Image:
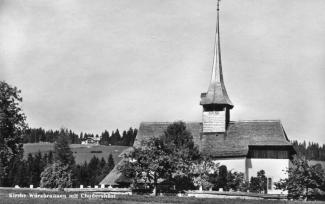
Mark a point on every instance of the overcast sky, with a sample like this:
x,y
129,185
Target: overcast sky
x,y
94,65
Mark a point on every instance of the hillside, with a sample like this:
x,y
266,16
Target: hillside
x,y
81,153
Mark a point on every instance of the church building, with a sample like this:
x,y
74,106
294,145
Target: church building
x,y
246,146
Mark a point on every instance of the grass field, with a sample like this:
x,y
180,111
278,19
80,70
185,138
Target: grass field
x,y
81,153
147,199
127,199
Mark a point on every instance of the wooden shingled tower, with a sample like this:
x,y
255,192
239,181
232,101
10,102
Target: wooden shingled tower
x,y
216,103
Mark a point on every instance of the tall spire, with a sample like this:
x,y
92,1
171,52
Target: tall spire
x,y
216,93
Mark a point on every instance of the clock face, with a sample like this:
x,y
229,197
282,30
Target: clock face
x,y
214,121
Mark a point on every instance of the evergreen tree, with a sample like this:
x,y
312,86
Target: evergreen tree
x,y
85,174
102,163
36,166
107,168
115,139
222,177
22,173
81,137
50,157
14,176
81,175
104,140
110,162
62,151
94,171
312,151
125,139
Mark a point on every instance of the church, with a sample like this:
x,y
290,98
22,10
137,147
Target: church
x,y
246,146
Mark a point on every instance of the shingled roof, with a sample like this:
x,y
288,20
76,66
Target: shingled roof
x,y
115,177
156,129
240,135
235,142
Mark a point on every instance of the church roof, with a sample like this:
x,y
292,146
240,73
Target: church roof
x,y
235,142
115,177
111,178
240,135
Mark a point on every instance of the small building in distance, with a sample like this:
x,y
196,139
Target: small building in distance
x,y
246,146
91,140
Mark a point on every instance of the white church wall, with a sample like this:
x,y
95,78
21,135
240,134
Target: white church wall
x,y
234,164
274,170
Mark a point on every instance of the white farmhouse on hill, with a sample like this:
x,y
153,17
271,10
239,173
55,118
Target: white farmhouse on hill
x,y
91,140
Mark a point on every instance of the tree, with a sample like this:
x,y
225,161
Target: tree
x,y
81,174
110,164
222,177
50,157
62,151
36,168
12,128
167,158
115,138
303,180
258,184
57,175
235,181
94,169
179,145
312,151
148,164
104,139
201,171
106,167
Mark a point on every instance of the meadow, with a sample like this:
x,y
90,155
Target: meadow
x,y
125,199
150,199
81,152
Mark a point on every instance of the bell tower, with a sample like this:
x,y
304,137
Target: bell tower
x,y
215,102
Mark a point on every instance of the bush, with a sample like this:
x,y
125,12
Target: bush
x,y
56,175
235,181
258,184
304,181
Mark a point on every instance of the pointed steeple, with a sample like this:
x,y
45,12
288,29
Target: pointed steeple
x,y
216,94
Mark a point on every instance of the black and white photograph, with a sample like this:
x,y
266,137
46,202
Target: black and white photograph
x,y
162,101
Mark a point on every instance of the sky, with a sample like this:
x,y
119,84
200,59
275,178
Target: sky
x,y
94,65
